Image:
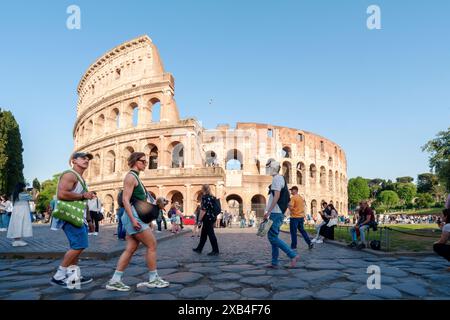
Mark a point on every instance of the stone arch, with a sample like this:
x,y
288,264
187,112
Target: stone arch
x,y
100,125
313,173
336,181
110,162
234,160
176,196
323,177
235,204
286,152
258,205
96,166
89,130
330,180
108,204
301,173
210,158
152,151
155,110
114,119
330,162
125,155
134,114
176,150
286,171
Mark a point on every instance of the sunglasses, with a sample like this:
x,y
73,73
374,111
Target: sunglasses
x,y
143,161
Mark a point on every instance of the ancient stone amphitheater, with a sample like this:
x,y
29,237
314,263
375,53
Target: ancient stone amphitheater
x,y
126,104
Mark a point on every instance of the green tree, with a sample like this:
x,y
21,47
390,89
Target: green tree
x,y
405,191
439,149
405,179
11,161
426,182
424,200
48,190
375,186
388,198
358,190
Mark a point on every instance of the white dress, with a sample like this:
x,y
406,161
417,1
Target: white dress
x,y
20,223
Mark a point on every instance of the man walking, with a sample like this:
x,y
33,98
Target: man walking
x,y
72,187
297,219
279,195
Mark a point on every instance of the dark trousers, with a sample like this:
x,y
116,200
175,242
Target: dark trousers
x,y
121,233
158,222
94,218
443,250
208,231
294,225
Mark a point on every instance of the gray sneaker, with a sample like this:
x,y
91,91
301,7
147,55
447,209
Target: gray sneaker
x,y
118,286
156,283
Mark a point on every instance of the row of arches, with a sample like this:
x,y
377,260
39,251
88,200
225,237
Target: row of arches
x,y
106,122
286,153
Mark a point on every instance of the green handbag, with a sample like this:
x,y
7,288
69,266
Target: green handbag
x,y
71,211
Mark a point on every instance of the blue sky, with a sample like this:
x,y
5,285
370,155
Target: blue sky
x,y
312,65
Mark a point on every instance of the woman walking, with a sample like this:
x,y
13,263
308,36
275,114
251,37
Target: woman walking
x,y
137,230
20,223
207,219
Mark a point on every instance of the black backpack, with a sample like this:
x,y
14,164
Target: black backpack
x,y
285,198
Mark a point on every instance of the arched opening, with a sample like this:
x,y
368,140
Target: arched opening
x,y
100,125
234,160
108,204
152,152
110,162
322,176
125,155
259,205
301,171
330,180
89,130
287,168
330,162
312,173
211,159
336,181
177,150
115,116
135,114
235,204
155,109
152,194
258,166
286,152
176,196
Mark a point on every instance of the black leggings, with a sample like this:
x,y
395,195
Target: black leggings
x,y
443,250
208,231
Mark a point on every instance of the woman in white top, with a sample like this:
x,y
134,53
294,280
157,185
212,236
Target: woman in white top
x,y
20,223
441,247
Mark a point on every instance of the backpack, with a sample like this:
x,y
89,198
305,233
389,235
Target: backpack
x,y
214,209
285,198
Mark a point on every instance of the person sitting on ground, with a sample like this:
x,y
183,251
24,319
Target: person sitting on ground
x,y
327,231
441,247
366,220
326,215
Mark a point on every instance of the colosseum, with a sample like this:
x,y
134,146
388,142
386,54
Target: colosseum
x,y
126,103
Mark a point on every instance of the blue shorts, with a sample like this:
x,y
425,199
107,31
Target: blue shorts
x,y
128,226
78,237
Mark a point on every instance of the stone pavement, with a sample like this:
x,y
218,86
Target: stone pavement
x,y
326,272
50,244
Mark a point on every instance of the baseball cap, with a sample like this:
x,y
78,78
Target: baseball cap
x,y
82,155
294,188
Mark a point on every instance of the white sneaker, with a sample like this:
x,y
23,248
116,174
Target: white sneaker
x,y
95,233
156,283
90,233
314,240
3,229
19,243
319,241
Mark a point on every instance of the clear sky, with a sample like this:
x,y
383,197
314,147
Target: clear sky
x,y
312,65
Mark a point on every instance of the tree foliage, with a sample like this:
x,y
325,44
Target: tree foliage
x,y
358,190
406,192
48,190
388,198
424,200
439,149
405,179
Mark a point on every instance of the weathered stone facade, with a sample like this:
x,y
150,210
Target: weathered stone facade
x,y
118,97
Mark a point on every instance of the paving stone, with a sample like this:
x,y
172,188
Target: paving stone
x,y
215,264
167,264
438,278
24,295
332,294
173,288
183,277
361,297
293,283
421,271
17,278
442,290
351,263
4,274
54,290
224,295
156,296
394,272
257,293
256,281
164,272
193,265
325,266
33,270
206,270
296,294
253,273
237,268
132,281
101,272
320,276
226,277
386,292
413,289
39,282
196,292
351,286
71,296
228,285
278,272
103,294
133,271
362,279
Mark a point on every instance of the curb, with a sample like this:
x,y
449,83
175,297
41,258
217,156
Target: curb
x,y
85,255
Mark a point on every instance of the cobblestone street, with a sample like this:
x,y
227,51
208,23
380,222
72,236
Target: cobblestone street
x,y
325,272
